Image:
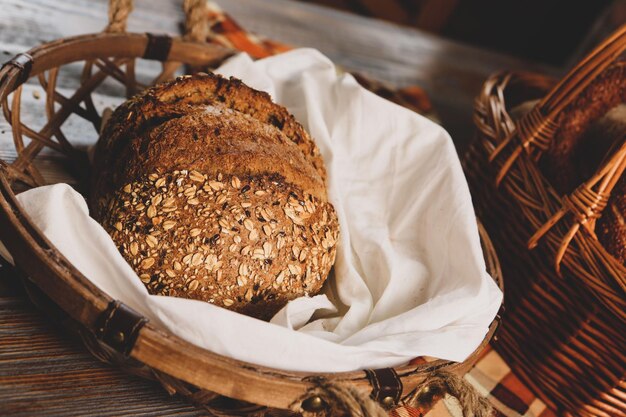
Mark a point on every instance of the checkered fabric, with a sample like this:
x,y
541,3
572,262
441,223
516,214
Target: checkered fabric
x,y
493,378
490,376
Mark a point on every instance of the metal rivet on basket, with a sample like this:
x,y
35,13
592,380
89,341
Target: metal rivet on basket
x,y
388,402
313,404
119,337
427,394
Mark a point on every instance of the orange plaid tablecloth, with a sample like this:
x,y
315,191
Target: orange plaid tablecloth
x,y
491,376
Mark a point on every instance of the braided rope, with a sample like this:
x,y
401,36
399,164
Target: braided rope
x,y
339,399
118,15
196,15
196,20
345,399
439,383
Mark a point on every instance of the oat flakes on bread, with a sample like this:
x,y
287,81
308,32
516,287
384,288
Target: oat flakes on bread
x,y
213,192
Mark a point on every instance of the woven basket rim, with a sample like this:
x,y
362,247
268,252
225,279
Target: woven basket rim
x,y
51,272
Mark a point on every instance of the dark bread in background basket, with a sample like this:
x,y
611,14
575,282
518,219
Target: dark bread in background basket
x,y
578,149
588,135
213,192
566,303
611,227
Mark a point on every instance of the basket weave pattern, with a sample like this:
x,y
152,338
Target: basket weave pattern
x,y
566,304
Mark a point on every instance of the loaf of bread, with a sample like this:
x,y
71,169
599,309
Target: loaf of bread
x,y
611,227
591,128
570,149
602,139
213,192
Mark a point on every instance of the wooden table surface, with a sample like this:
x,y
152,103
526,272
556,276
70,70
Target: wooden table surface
x,y
44,371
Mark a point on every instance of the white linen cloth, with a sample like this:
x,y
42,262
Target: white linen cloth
x,y
409,277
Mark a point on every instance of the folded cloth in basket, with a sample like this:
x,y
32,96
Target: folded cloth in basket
x,y
410,279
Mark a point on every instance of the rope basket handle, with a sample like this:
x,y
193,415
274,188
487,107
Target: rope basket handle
x,y
196,18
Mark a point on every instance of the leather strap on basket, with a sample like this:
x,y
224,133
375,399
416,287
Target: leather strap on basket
x,y
24,63
534,131
386,385
119,326
158,47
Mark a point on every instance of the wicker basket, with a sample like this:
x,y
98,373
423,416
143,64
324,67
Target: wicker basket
x,y
116,334
566,305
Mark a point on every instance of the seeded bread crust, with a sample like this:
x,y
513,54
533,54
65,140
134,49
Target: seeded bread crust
x,y
211,140
249,244
207,200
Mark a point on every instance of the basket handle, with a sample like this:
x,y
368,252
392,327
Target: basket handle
x,y
535,130
196,18
586,203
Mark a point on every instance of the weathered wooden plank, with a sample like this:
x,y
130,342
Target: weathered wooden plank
x,y
44,371
450,72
